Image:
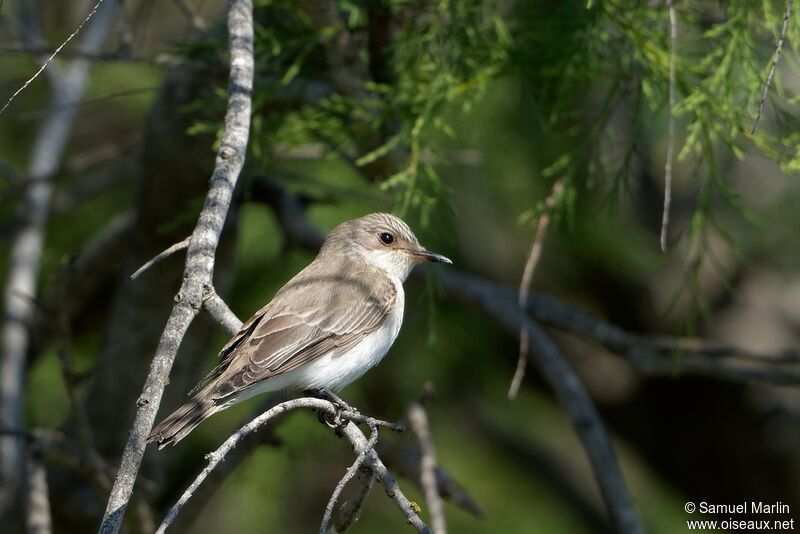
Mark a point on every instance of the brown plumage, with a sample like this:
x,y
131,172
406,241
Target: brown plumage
x,y
324,328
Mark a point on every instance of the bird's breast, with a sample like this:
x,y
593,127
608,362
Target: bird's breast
x,y
337,370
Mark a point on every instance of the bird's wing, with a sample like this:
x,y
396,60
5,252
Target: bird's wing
x,y
299,326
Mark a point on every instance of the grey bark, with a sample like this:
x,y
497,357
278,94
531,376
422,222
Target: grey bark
x,y
198,272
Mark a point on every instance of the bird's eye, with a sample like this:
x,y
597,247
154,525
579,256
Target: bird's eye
x,y
386,238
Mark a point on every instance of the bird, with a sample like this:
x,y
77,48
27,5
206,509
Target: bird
x,y
323,329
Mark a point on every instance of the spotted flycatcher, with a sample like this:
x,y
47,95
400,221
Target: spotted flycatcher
x,y
325,328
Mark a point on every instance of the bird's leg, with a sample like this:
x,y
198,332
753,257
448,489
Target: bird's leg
x,y
344,412
336,420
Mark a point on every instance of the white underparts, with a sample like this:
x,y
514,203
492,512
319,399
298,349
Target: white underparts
x,y
337,369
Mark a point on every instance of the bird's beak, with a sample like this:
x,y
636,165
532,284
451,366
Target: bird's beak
x,y
431,256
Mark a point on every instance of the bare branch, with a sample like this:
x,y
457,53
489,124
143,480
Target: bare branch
x,y
541,462
169,251
37,516
27,245
525,283
418,421
357,439
220,311
673,38
348,476
775,58
648,362
235,458
590,428
655,354
568,388
214,458
199,255
56,448
407,460
350,511
53,55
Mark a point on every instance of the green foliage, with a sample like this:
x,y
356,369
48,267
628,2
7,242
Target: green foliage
x,y
593,83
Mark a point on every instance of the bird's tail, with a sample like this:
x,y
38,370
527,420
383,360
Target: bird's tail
x,y
183,420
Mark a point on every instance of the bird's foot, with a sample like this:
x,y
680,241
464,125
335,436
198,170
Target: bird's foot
x,y
343,412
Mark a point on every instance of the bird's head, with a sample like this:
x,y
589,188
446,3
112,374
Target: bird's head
x,y
381,240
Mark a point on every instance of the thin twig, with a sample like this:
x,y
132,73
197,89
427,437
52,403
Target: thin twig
x,y
349,430
390,486
348,476
199,268
53,55
217,456
673,39
775,58
571,393
525,283
169,251
406,460
418,421
235,458
219,310
350,511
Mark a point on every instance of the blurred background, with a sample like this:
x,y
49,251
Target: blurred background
x,y
459,116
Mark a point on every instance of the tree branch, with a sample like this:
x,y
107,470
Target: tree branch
x,y
37,516
525,283
169,251
350,511
775,58
348,476
199,267
673,39
407,461
52,56
359,442
570,392
357,439
220,311
235,458
418,421
66,87
590,428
